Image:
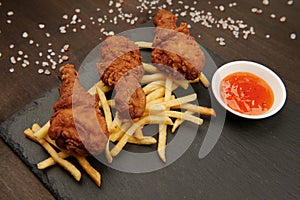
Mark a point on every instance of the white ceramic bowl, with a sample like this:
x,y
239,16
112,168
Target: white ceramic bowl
x,y
261,71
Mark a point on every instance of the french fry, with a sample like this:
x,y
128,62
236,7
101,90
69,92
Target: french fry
x,y
116,135
43,131
195,108
138,133
64,163
50,161
108,156
144,140
105,106
185,116
143,121
153,86
179,121
93,173
155,94
153,77
141,44
162,135
204,80
150,68
103,87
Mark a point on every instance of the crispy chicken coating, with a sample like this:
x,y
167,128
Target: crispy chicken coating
x,y
175,53
121,67
77,125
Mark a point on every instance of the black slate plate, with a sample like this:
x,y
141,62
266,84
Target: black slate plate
x,y
253,158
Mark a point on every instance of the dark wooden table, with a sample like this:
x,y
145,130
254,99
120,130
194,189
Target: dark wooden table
x,y
271,45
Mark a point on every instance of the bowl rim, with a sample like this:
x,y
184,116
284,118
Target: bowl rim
x,y
217,77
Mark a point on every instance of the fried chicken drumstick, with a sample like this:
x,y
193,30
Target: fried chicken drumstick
x,y
121,67
175,53
77,125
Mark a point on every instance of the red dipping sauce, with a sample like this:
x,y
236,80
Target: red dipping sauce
x,y
246,93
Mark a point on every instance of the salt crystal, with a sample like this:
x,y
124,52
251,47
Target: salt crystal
x,y
293,36
74,30
8,21
41,26
290,2
31,42
49,44
20,52
254,10
74,18
11,46
10,13
268,36
40,71
282,19
47,72
83,27
25,35
77,10
47,35
13,60
0,54
110,11
66,47
272,15
45,64
25,56
40,54
11,70
37,62
65,16
265,2
64,58
221,8
19,59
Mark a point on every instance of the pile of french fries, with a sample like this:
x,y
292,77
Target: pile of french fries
x,y
162,108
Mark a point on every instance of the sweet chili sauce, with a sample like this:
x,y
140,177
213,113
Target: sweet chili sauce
x,y
246,93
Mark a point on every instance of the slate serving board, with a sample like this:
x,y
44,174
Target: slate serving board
x,y
253,158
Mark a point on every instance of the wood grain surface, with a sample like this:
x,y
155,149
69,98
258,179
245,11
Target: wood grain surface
x,y
275,164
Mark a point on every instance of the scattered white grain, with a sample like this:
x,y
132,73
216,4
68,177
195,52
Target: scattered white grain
x,y
83,27
293,36
282,19
8,21
26,62
20,52
40,71
74,30
49,44
52,54
221,8
47,72
49,50
13,60
268,36
24,35
74,18
77,10
11,70
19,59
265,2
110,11
272,15
0,54
37,62
47,35
66,47
10,13
65,16
11,46
25,56
37,44
41,26
24,65
98,9
45,64
259,11
290,2
254,10
183,14
30,42
40,54
65,58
